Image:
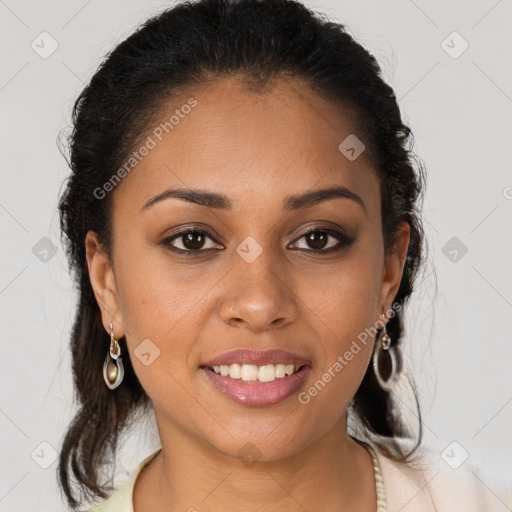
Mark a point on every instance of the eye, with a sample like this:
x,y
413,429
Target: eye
x,y
191,240
317,239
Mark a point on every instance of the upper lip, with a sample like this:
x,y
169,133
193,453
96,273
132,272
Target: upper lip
x,y
257,357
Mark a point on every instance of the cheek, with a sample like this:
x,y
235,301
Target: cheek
x,y
344,296
344,314
154,293
343,307
164,309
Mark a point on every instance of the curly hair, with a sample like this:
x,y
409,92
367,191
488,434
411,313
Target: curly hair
x,y
195,43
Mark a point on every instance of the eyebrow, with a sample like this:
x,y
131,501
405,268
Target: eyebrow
x,y
219,201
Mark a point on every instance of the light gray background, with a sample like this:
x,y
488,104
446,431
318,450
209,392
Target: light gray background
x,y
459,322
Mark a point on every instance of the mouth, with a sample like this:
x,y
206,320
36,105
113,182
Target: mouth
x,y
257,378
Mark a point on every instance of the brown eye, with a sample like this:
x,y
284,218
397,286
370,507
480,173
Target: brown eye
x,y
192,240
318,239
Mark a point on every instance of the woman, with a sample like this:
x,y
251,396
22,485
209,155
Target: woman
x,y
243,223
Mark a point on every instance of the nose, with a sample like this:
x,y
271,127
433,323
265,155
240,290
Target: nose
x,y
258,296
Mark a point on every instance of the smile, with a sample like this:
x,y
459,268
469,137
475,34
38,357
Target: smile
x,y
254,373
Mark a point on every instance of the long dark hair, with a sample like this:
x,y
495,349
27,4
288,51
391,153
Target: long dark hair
x,y
191,43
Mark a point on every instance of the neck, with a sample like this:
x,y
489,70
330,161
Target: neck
x,y
333,474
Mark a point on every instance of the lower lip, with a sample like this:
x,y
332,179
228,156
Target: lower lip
x,y
258,393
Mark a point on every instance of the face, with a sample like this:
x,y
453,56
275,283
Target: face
x,y
193,279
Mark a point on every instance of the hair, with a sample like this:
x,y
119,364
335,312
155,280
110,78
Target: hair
x,y
195,43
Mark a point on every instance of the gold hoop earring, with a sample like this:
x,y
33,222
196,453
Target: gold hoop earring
x,y
113,370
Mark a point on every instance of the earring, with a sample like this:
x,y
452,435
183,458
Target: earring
x,y
113,371
384,360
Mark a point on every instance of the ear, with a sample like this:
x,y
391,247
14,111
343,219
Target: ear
x,y
393,267
101,275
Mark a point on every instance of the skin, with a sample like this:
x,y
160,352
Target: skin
x,y
257,149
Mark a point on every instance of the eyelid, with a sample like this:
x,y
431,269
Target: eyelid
x,y
335,230
197,227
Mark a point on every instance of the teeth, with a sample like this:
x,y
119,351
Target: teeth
x,y
267,373
249,372
253,373
280,370
235,371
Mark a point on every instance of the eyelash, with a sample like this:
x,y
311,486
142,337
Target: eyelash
x,y
344,241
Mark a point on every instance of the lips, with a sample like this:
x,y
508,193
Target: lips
x,y
258,393
258,358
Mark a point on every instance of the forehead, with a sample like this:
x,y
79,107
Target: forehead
x,y
248,145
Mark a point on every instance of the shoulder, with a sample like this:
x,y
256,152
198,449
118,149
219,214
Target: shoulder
x,y
122,499
430,484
